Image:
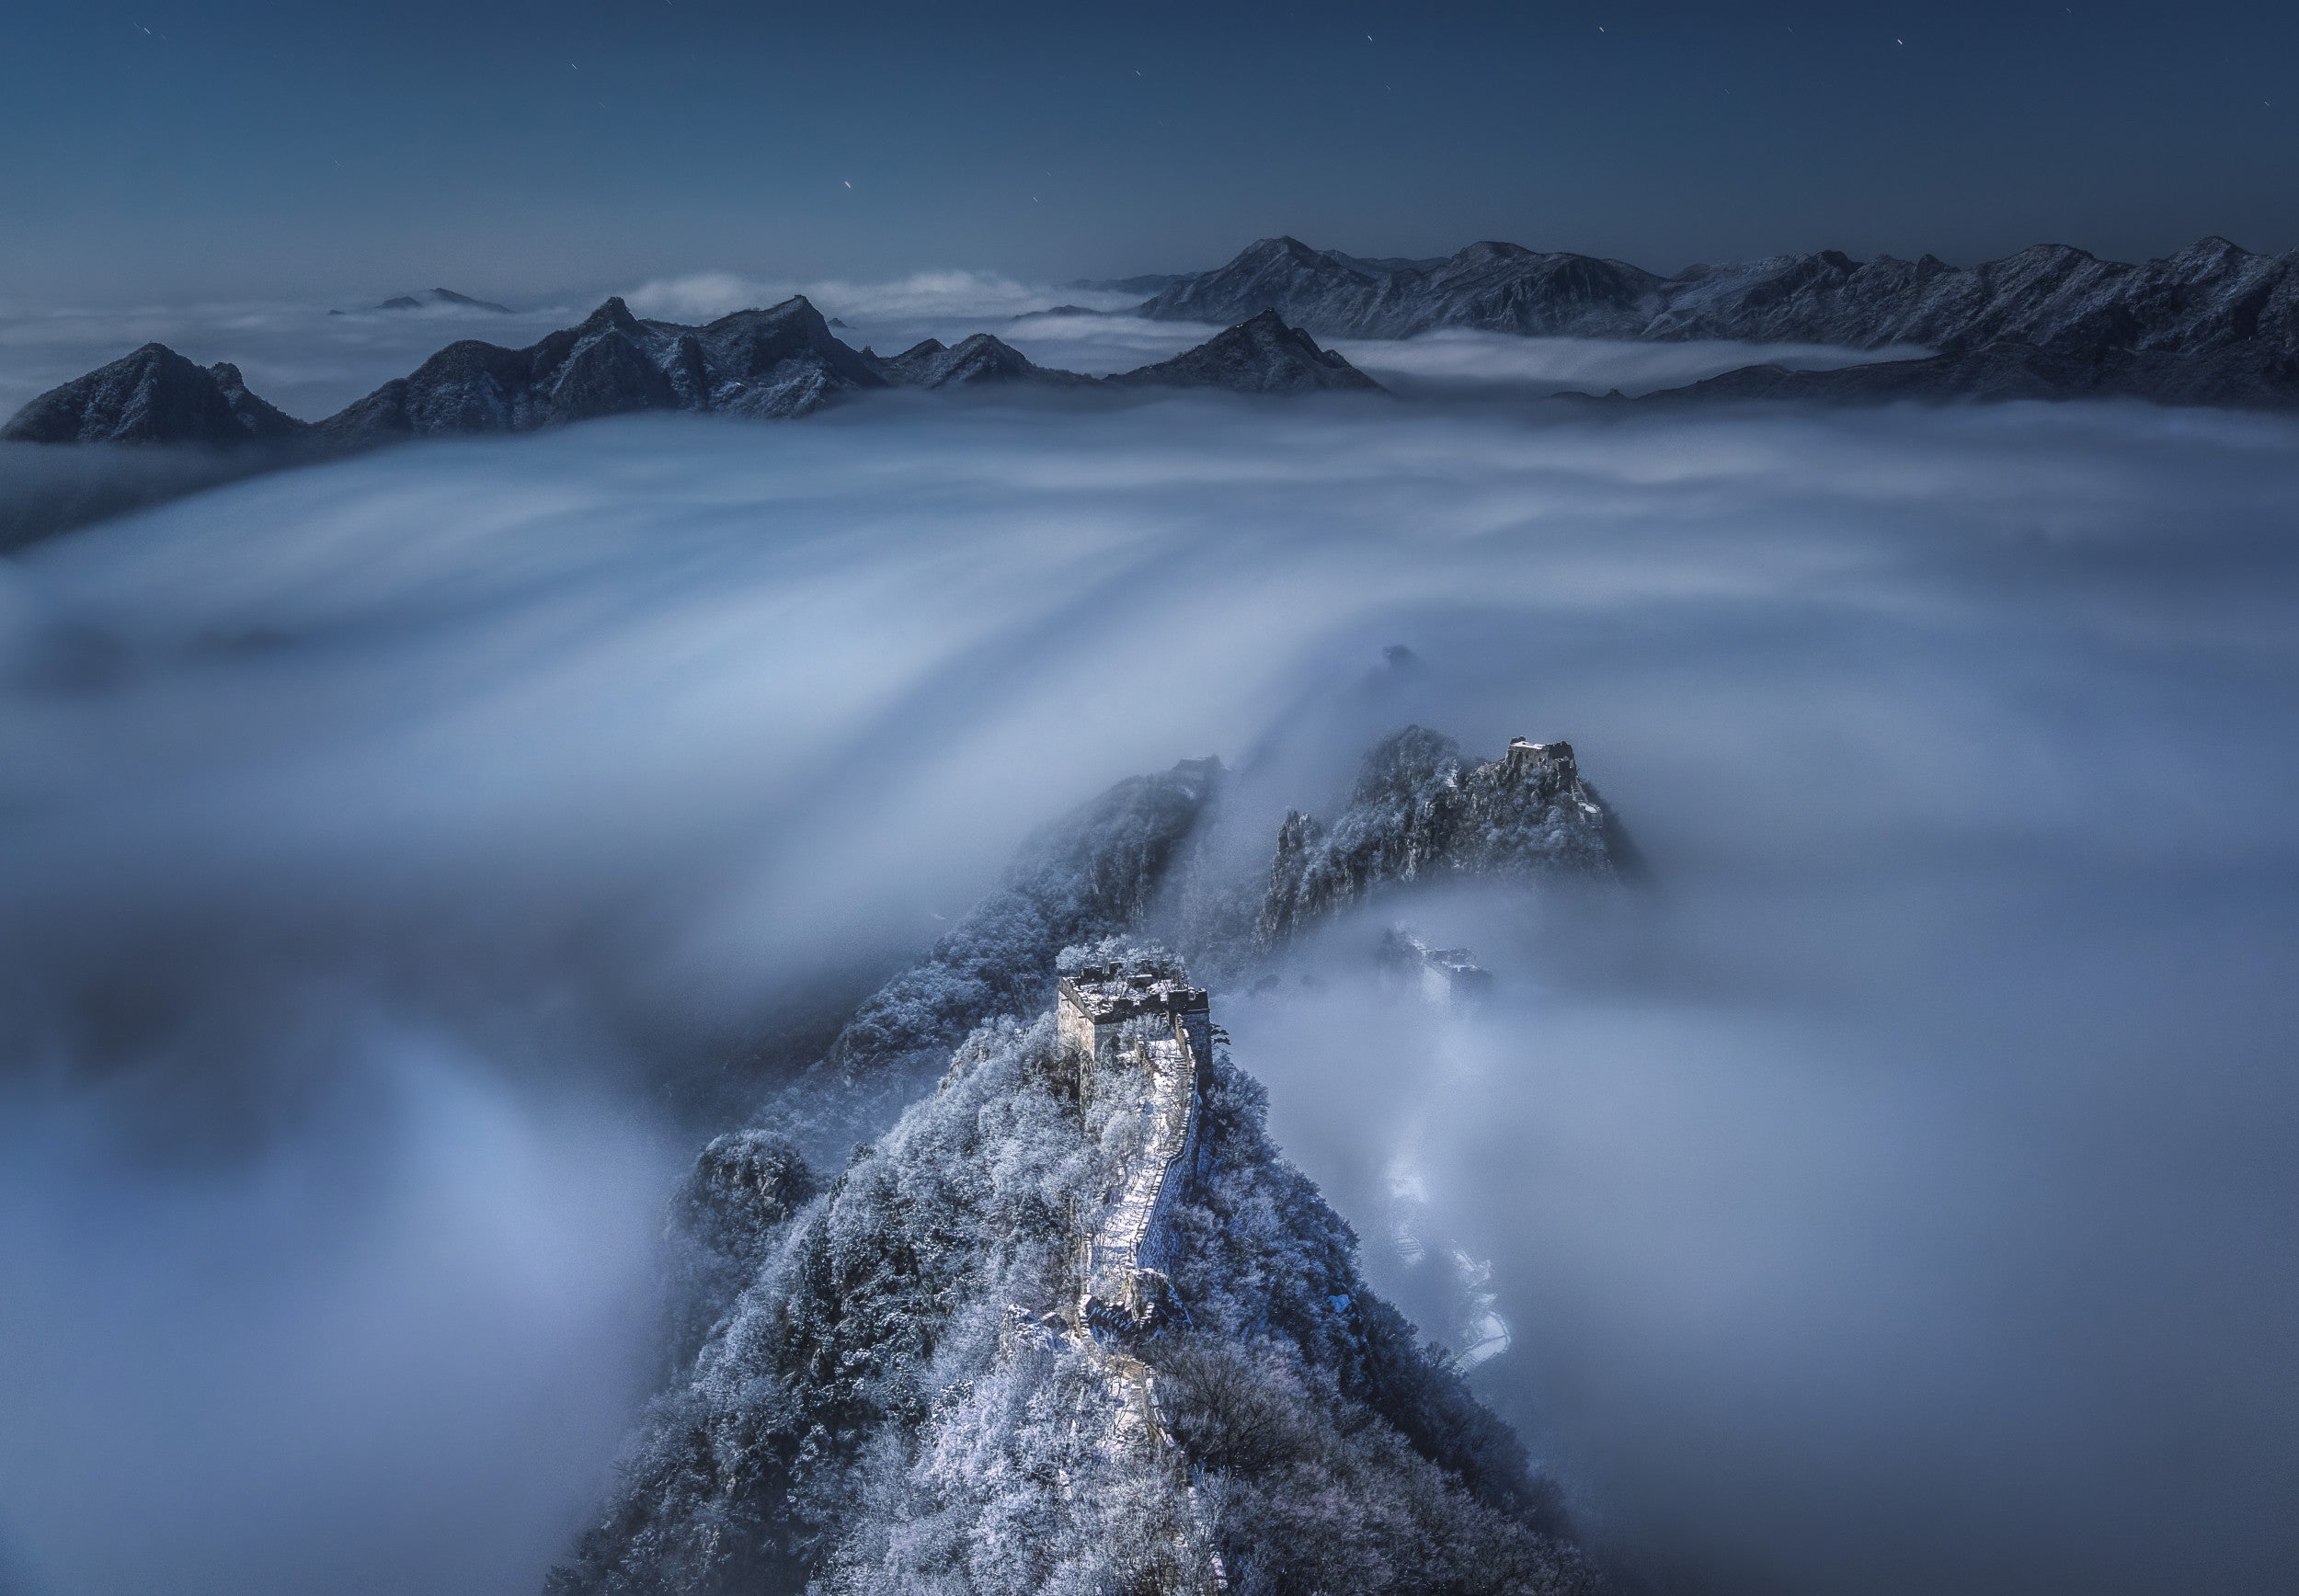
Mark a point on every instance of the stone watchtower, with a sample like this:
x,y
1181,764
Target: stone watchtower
x,y
1102,1006
1524,756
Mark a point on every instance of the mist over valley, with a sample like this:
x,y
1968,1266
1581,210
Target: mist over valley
x,y
444,827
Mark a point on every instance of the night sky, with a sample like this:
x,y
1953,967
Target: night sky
x,y
168,148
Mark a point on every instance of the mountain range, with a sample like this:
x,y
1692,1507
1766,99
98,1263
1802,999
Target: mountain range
x,y
775,363
2213,325
2211,295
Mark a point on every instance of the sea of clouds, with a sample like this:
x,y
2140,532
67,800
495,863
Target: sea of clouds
x,y
1894,1195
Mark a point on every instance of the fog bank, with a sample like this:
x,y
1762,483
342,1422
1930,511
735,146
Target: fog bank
x,y
399,851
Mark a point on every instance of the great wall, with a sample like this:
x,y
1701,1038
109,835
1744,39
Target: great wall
x,y
1157,1029
1147,1031
1138,1033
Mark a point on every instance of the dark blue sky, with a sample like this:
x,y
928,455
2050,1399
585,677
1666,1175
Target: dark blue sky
x,y
165,148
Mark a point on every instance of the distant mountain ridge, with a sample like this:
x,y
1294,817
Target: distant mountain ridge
x,y
2211,296
441,296
775,364
2213,324
430,297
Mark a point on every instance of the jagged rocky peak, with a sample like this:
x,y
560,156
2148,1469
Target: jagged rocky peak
x,y
259,419
1262,355
152,395
774,363
2212,253
1280,274
1421,810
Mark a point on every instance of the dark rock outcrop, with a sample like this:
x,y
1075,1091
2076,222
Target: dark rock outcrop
x,y
257,418
1420,811
154,395
1261,355
743,1185
974,362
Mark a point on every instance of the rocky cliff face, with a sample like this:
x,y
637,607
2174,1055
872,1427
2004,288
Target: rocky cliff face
x,y
2211,296
1422,811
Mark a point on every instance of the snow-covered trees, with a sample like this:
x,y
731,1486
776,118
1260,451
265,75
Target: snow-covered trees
x,y
1420,810
890,1403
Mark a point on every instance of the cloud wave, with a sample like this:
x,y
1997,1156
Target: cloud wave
x,y
1878,1209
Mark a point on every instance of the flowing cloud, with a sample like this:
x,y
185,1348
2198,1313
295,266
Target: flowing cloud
x,y
406,855
959,295
1458,361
